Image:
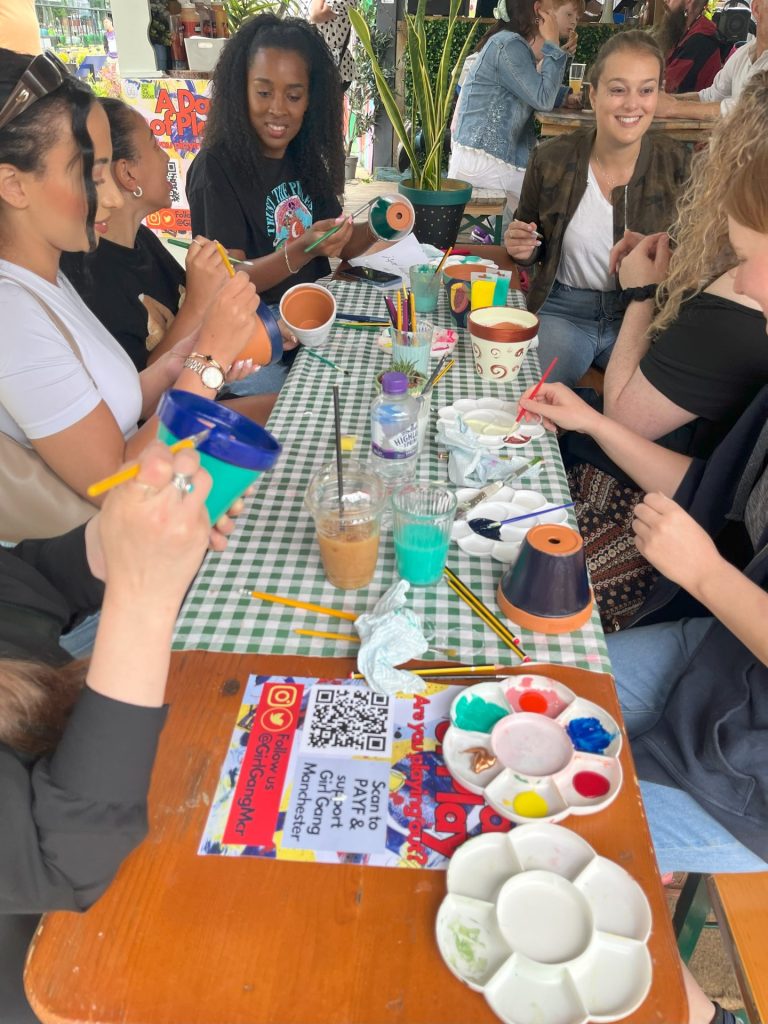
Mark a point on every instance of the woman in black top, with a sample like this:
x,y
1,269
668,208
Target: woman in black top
x,y
271,167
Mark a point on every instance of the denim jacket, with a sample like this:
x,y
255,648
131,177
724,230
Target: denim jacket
x,y
502,90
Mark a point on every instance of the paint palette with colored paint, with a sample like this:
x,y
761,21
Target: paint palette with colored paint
x,y
545,928
505,504
533,749
490,422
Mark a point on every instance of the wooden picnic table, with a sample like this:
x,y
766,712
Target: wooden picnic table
x,y
562,122
184,939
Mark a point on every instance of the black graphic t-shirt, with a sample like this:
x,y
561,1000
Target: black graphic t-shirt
x,y
257,217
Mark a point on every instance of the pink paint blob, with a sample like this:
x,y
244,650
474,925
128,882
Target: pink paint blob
x,y
590,784
533,699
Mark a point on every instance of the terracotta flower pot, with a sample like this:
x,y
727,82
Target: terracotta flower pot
x,y
309,311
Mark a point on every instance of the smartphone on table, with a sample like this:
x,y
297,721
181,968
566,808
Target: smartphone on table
x,y
378,277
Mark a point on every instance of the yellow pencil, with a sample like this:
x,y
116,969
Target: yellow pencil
x,y
102,486
445,369
328,636
225,257
289,601
446,254
399,312
412,301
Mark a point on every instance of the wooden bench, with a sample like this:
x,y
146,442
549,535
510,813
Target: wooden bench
x,y
485,208
740,904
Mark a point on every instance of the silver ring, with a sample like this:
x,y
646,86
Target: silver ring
x,y
183,483
195,242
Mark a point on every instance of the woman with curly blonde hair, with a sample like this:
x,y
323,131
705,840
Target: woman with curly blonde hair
x,y
698,360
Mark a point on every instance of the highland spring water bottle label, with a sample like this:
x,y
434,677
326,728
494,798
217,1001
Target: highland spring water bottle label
x,y
401,446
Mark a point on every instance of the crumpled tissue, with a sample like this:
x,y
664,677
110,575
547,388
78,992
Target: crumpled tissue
x,y
390,635
469,463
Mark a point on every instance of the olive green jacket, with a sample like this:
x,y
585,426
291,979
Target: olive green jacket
x,y
556,179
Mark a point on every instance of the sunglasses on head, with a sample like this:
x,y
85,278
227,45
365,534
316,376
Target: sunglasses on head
x,y
43,75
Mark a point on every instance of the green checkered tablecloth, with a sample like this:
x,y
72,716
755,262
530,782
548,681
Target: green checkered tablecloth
x,y
273,549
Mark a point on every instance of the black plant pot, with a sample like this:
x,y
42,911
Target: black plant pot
x,y
438,214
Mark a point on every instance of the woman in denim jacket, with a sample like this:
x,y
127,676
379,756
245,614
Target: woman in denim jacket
x,y
518,68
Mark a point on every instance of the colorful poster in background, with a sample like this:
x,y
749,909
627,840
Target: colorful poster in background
x,y
328,771
176,110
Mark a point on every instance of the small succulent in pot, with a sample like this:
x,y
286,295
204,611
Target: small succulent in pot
x,y
416,379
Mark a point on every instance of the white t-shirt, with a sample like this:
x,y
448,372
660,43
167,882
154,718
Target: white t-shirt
x,y
44,387
730,81
588,241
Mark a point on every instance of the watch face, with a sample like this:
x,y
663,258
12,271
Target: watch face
x,y
212,377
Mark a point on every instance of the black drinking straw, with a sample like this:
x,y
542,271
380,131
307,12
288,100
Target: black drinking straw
x,y
337,419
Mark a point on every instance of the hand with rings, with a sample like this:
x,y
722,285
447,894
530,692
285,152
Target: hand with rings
x,y
151,534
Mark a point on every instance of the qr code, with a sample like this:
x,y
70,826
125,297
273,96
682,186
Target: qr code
x,y
349,720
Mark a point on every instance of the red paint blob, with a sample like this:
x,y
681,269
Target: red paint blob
x,y
534,702
590,784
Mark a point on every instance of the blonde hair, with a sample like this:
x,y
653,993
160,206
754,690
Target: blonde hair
x,y
35,702
727,177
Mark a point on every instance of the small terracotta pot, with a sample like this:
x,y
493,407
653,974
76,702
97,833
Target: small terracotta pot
x,y
500,339
547,589
266,343
309,311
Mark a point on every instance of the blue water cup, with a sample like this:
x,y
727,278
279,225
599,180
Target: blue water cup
x,y
235,453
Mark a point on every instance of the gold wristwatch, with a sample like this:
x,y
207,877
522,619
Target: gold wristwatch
x,y
208,370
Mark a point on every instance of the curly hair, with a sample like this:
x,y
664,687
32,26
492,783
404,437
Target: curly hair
x,y
318,149
702,250
26,140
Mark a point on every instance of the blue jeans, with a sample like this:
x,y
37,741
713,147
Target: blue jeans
x,y
79,641
580,327
646,662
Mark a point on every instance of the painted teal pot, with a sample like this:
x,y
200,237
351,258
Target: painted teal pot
x,y
438,214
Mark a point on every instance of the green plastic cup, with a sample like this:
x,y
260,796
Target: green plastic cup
x,y
235,453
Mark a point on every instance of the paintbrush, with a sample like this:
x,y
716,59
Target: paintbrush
x,y
227,258
533,394
338,227
328,362
102,486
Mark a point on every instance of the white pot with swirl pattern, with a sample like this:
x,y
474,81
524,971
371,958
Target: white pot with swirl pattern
x,y
500,338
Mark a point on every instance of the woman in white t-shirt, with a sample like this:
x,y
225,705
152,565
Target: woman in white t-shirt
x,y
79,411
581,192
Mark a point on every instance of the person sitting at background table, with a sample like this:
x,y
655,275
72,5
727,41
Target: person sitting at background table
x,y
582,191
271,166
78,740
517,68
694,689
724,92
67,389
690,44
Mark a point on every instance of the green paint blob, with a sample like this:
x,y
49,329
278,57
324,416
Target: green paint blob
x,y
469,946
477,715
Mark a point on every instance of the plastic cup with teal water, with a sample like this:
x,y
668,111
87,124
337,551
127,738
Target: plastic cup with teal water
x,y
422,516
413,346
425,285
236,452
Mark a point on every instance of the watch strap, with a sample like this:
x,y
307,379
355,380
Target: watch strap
x,y
648,291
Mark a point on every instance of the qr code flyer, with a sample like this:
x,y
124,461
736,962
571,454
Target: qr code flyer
x,y
326,770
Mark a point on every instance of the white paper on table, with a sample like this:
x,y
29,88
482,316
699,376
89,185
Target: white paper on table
x,y
396,259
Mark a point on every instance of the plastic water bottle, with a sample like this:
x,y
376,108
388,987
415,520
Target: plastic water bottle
x,y
394,431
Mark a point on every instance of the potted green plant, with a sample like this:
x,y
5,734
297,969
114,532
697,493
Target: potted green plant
x,y
416,379
439,202
239,11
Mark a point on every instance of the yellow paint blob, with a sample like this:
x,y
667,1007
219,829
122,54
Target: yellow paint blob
x,y
348,442
530,805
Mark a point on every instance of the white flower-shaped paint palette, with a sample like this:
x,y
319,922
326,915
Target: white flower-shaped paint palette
x,y
492,422
533,749
505,504
547,930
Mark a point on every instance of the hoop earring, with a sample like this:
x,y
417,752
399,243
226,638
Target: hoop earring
x,y
138,192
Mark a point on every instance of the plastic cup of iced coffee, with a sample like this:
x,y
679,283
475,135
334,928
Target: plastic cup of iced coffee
x,y
347,525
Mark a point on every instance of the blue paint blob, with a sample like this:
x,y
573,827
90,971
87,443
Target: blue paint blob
x,y
587,734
